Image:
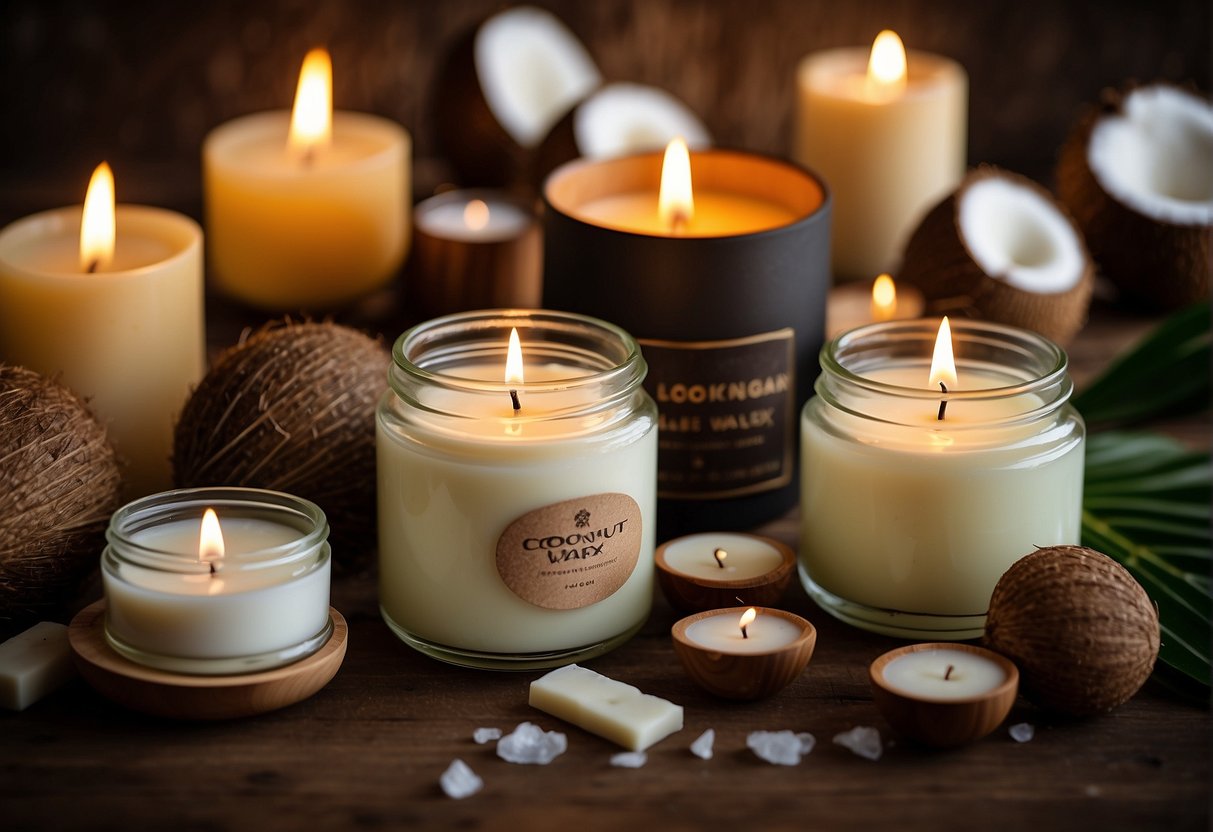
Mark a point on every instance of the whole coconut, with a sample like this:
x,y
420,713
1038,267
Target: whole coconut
x,y
1082,631
59,484
292,409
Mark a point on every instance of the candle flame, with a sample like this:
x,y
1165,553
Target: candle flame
x,y
97,224
513,360
943,365
884,298
747,618
887,65
676,201
312,115
210,538
476,214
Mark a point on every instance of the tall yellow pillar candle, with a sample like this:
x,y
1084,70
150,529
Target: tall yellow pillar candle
x,y
307,209
118,319
887,131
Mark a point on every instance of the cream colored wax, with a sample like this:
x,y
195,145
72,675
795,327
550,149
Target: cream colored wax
x,y
888,153
744,556
129,337
716,214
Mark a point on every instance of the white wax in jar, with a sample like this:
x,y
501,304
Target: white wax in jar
x,y
746,556
764,634
925,674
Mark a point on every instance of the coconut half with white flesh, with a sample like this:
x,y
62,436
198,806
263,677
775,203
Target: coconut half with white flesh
x,y
1001,248
502,88
1137,174
618,120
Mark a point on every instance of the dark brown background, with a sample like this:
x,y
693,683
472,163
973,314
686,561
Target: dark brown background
x,y
140,83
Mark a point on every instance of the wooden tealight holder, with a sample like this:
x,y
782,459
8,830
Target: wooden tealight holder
x,y
744,675
182,696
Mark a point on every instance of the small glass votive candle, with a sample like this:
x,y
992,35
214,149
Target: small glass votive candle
x,y
517,495
241,590
915,500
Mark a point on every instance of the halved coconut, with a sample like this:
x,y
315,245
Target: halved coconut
x,y
1001,248
503,86
1138,176
620,119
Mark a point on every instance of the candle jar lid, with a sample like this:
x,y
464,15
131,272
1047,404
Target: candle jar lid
x,y
261,604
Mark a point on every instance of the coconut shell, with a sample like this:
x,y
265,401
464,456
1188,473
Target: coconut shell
x,y
938,261
1082,631
292,409
1156,263
59,484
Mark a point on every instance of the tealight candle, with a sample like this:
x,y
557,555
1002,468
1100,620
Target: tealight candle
x,y
109,300
744,653
475,249
944,694
887,131
217,581
517,489
307,209
932,462
855,304
712,569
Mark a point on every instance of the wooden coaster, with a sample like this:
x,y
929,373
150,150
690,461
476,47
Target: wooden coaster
x,y
182,696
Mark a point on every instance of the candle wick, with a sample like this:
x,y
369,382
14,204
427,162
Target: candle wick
x,y
744,634
309,156
514,400
948,674
678,222
943,404
720,555
92,266
211,564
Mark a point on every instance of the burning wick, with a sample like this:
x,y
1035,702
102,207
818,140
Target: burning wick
x,y
92,266
309,156
948,674
943,404
747,617
720,555
518,405
213,569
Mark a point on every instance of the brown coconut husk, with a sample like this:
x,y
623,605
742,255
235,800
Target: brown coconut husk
x,y
938,261
59,484
292,409
1153,262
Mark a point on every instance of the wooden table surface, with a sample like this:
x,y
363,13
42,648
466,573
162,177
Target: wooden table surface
x,y
367,751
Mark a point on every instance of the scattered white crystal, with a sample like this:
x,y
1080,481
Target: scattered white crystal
x,y
781,748
483,735
459,781
629,759
1022,731
702,747
862,740
531,745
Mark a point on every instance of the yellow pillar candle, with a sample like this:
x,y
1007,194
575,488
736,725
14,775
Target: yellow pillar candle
x,y
121,325
307,209
887,132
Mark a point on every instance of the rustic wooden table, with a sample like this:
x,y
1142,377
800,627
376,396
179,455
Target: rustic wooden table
x,y
367,751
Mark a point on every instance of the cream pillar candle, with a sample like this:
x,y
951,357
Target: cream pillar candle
x,y
217,580
306,217
128,335
722,556
889,140
908,520
944,674
744,634
516,532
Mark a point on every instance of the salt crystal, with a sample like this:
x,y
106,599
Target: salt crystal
x,y
781,748
483,735
1022,731
862,740
629,759
459,781
531,745
702,747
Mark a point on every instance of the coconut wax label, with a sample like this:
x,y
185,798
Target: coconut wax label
x,y
572,554
726,414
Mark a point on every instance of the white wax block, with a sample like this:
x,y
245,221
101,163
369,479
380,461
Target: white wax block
x,y
603,706
33,664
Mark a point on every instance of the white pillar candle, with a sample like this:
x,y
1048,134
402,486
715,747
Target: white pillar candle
x,y
890,147
944,674
516,537
296,220
743,556
258,600
763,633
127,336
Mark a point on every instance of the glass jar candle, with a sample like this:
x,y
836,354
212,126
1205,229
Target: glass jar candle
x,y
250,596
516,518
909,519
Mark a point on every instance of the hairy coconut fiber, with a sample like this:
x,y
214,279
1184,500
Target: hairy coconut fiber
x,y
292,409
1082,631
59,484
